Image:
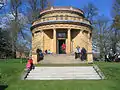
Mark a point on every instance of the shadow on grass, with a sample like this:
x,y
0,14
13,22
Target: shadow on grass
x,y
3,87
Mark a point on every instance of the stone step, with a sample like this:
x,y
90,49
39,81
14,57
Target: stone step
x,y
63,78
65,67
61,73
78,76
57,74
60,59
54,74
69,67
54,57
53,69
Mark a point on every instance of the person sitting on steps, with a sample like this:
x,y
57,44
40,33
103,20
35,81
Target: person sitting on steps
x,y
30,65
83,54
49,52
77,52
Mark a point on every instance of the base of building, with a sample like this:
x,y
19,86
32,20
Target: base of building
x,y
60,59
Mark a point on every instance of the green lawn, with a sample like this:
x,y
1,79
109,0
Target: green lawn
x,y
11,72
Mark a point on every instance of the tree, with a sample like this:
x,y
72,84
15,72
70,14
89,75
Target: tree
x,y
1,4
20,22
5,44
14,23
115,25
35,7
91,11
103,35
43,4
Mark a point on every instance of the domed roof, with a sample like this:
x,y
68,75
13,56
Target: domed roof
x,y
72,9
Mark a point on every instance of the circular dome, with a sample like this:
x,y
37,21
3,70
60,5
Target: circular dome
x,y
54,9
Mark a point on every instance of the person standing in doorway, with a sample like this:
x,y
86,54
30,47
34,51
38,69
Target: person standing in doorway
x,y
63,47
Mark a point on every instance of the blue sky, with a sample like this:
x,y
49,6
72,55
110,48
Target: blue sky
x,y
104,6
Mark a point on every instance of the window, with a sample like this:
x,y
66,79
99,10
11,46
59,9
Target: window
x,y
61,35
61,17
66,17
37,31
56,17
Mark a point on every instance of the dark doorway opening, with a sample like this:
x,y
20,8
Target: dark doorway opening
x,y
60,49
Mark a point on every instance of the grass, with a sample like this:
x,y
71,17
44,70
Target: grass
x,y
11,72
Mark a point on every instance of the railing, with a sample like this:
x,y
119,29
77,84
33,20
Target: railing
x,y
62,18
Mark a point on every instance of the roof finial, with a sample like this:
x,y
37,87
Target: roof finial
x,y
51,7
71,8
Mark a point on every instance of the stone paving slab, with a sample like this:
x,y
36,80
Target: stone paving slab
x,y
63,73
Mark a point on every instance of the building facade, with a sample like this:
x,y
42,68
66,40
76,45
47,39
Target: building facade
x,y
58,25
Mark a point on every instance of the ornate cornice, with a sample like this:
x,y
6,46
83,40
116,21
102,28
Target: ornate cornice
x,y
60,22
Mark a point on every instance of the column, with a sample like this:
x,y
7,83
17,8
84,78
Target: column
x,y
54,41
37,44
89,55
42,48
34,55
69,42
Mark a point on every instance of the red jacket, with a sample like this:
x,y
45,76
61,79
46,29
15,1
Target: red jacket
x,y
63,46
30,60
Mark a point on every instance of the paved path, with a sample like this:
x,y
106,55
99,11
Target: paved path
x,y
62,73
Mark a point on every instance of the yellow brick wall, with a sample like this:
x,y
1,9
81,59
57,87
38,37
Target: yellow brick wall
x,y
48,37
79,38
37,41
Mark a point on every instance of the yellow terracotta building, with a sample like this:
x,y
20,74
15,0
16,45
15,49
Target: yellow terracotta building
x,y
58,25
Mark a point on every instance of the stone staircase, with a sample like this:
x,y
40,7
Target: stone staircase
x,y
61,59
63,73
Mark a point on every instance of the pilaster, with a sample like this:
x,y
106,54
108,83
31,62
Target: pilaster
x,y
89,55
54,41
68,44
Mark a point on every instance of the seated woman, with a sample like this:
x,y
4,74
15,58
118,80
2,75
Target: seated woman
x,y
46,52
77,52
41,55
28,67
83,54
49,52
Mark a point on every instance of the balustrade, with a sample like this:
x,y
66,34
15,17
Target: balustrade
x,y
62,18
